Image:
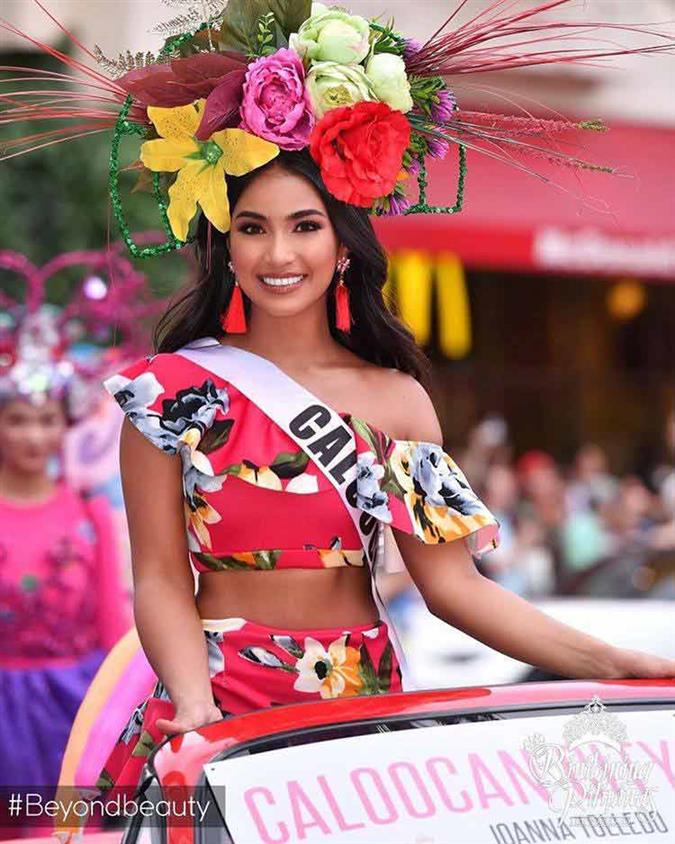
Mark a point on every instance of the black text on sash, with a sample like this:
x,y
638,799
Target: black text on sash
x,y
326,439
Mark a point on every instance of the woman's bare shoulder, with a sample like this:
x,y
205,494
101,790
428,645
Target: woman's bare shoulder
x,y
405,403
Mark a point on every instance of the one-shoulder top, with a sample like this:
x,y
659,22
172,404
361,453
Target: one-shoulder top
x,y
255,500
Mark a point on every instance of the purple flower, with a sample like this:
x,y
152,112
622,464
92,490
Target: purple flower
x,y
274,105
413,168
438,147
398,204
443,109
411,47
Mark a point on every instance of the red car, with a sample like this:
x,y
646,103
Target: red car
x,y
527,763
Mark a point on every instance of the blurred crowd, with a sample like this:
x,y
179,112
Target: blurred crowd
x,y
580,529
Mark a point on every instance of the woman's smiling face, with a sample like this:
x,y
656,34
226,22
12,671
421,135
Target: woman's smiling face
x,y
283,246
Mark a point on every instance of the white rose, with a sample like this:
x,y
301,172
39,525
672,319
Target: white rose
x,y
387,75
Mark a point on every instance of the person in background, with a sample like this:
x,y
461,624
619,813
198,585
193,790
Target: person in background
x,y
62,600
591,483
62,606
585,537
543,501
522,562
487,445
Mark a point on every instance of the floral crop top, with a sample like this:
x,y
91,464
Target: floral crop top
x,y
255,500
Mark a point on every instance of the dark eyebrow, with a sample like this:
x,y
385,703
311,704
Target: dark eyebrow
x,y
306,212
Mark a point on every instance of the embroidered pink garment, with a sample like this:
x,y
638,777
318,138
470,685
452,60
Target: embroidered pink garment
x,y
61,593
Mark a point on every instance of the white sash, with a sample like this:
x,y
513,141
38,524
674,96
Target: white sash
x,y
321,433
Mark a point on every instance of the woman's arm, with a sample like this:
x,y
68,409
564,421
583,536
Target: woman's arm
x,y
164,605
457,593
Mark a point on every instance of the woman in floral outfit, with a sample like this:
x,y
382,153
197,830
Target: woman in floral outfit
x,y
284,612
279,143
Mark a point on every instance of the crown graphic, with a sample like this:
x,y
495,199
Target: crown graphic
x,y
595,721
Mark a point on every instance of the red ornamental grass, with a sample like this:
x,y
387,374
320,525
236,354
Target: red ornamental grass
x,y
518,126
470,48
85,112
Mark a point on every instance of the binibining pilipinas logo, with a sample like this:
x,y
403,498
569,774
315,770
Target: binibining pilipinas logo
x,y
591,772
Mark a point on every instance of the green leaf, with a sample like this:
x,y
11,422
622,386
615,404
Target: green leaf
x,y
384,668
261,656
365,432
289,464
217,435
208,560
385,39
105,781
145,745
391,485
367,672
220,563
239,28
280,39
266,560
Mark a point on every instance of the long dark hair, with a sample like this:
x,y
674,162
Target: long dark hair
x,y
376,334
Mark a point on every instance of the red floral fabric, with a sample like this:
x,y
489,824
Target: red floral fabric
x,y
254,500
253,666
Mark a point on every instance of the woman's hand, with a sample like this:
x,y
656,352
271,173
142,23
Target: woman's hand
x,y
642,666
189,717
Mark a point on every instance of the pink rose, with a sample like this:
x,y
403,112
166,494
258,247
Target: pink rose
x,y
274,105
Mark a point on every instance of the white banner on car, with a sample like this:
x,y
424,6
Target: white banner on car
x,y
493,782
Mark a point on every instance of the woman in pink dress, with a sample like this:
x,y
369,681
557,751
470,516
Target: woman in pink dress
x,y
62,605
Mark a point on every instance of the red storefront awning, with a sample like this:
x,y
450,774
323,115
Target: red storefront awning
x,y
512,221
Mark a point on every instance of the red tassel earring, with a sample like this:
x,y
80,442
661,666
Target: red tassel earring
x,y
343,317
233,319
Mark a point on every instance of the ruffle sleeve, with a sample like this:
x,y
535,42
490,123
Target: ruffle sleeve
x,y
417,488
168,400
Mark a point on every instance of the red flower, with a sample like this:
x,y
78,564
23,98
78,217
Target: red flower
x,y
360,150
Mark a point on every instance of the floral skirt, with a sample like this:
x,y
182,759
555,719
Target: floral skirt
x,y
253,666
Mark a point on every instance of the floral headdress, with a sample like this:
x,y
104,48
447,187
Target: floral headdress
x,y
236,83
59,352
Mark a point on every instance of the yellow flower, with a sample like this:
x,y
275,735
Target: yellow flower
x,y
262,476
199,518
332,673
247,557
201,165
399,462
335,556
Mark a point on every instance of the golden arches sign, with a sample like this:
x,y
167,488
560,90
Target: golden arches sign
x,y
414,278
